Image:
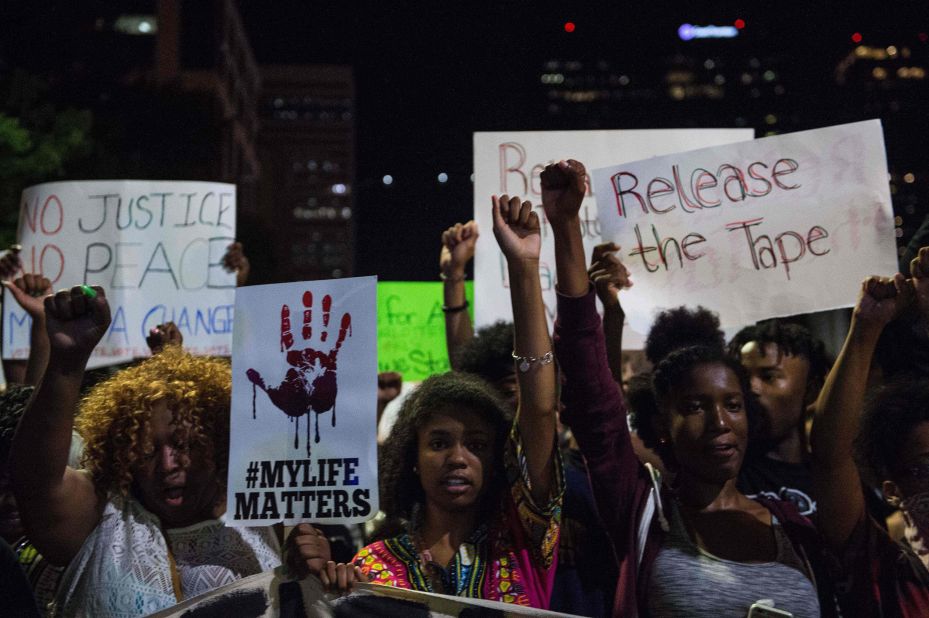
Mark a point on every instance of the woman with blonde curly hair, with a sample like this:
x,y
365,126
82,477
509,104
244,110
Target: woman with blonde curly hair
x,y
140,528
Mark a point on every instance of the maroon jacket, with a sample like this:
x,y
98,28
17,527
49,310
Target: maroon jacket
x,y
596,413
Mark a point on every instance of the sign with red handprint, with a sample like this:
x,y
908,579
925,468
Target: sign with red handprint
x,y
303,442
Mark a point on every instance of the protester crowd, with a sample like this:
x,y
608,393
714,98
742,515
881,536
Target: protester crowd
x,y
729,479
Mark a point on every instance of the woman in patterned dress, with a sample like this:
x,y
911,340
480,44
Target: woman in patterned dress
x,y
140,528
480,495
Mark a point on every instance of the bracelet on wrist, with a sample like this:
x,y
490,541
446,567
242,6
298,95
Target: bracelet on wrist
x,y
445,277
525,362
455,309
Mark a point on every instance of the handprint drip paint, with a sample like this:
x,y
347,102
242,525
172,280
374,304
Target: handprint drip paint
x,y
310,384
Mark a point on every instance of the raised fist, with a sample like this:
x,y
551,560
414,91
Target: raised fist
x,y
235,261
162,335
516,228
76,320
458,243
310,384
564,185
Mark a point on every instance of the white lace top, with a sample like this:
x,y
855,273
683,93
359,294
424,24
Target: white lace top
x,y
122,569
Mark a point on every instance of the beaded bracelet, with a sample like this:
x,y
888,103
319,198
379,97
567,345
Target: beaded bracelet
x,y
525,362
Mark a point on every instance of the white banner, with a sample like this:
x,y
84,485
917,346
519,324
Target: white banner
x,y
753,230
510,162
156,247
303,435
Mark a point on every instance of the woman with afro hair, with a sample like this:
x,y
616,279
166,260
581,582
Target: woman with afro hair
x,y
140,528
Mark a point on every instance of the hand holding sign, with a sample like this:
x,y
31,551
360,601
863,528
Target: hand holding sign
x,y
608,274
76,322
310,385
10,263
235,261
563,187
29,291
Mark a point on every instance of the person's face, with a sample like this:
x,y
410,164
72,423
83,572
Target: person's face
x,y
708,425
11,527
912,474
780,381
174,479
455,460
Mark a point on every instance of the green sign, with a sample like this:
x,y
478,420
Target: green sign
x,y
411,328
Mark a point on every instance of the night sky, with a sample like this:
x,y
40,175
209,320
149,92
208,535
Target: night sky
x,y
429,74
426,78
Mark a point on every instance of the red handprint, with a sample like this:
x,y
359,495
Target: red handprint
x,y
310,384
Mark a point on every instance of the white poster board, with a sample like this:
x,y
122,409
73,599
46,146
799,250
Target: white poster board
x,y
303,435
753,230
156,247
510,162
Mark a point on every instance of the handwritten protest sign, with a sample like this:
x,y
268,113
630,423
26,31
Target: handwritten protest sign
x,y
772,227
411,328
156,247
510,162
303,443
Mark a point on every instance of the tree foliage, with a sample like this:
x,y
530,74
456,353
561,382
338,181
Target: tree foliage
x,y
38,142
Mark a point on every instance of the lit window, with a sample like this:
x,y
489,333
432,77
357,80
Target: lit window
x,y
138,25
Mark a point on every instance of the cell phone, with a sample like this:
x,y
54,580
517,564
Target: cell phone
x,y
763,610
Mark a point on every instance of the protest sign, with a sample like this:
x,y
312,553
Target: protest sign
x,y
156,247
304,354
510,162
753,230
411,328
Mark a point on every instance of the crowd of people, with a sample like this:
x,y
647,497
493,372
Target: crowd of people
x,y
749,477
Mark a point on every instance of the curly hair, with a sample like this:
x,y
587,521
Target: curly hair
x,y
682,327
114,418
891,413
489,353
673,370
790,338
401,490
12,405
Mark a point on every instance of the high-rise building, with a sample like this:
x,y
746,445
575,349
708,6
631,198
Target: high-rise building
x,y
306,149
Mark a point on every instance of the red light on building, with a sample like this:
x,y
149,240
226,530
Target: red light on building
x,y
739,23
569,26
923,37
856,38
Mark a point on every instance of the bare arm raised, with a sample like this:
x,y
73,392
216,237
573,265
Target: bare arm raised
x,y
609,275
837,411
458,244
28,291
563,187
60,506
518,232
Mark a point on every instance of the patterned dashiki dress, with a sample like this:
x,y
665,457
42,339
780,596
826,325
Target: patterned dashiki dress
x,y
511,558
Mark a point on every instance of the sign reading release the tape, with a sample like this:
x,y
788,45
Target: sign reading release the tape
x,y
156,247
510,162
753,230
303,434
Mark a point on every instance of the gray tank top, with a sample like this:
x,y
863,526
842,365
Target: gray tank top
x,y
688,581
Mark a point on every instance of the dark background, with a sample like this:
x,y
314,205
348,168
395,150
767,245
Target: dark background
x,y
429,74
